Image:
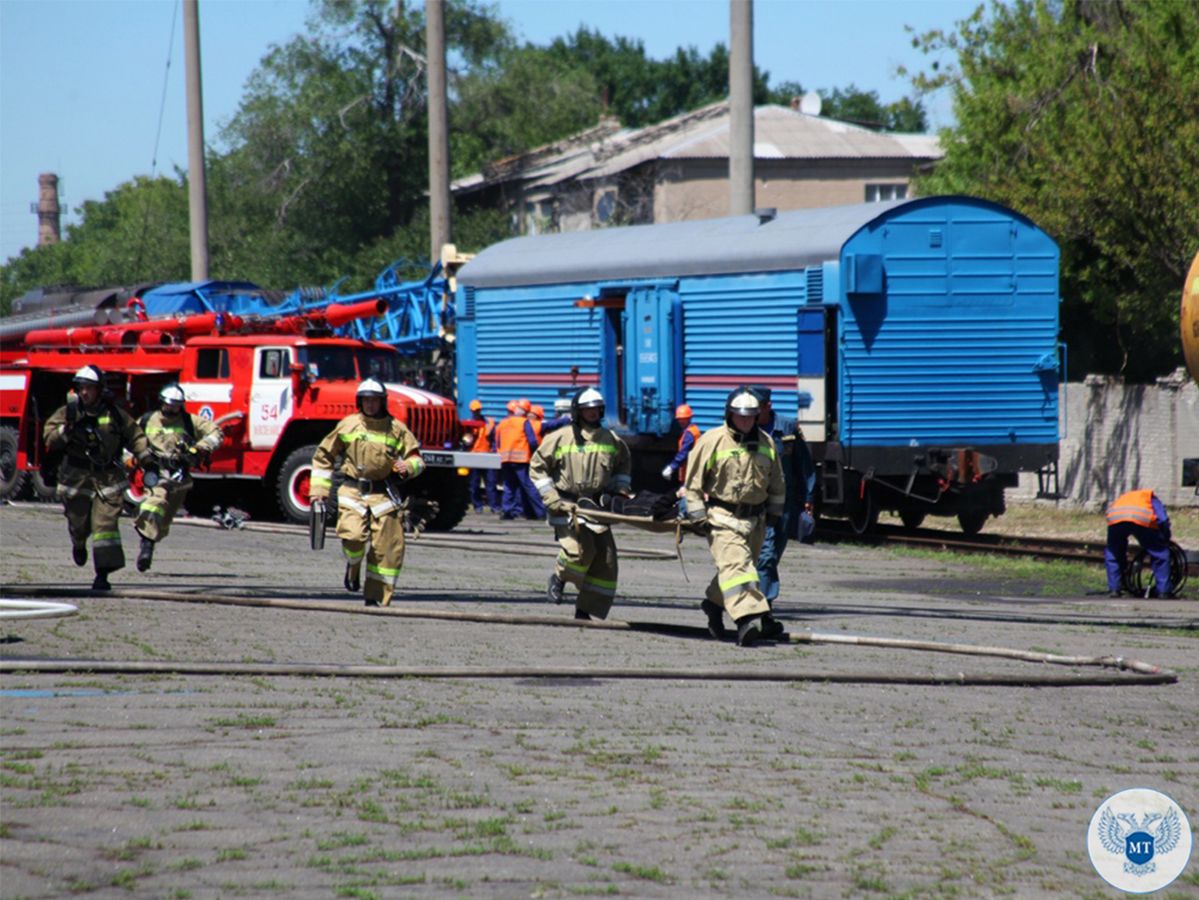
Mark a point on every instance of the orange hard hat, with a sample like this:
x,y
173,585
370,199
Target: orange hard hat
x,y
511,406
538,410
476,405
524,404
683,412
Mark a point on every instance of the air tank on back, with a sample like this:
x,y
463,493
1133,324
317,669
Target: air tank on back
x,y
1188,319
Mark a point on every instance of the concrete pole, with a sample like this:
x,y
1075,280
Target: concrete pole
x,y
741,107
197,185
49,230
439,138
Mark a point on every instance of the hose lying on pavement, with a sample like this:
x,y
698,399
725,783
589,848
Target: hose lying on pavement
x,y
1141,673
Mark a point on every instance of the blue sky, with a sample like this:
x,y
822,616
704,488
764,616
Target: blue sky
x,y
82,81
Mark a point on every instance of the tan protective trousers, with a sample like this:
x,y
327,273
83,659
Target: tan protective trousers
x,y
371,526
735,544
158,509
588,560
92,505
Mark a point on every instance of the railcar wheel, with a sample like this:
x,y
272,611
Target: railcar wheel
x,y
912,518
12,479
972,520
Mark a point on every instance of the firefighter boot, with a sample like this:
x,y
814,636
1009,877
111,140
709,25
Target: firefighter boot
x,y
100,582
715,619
145,556
772,629
352,581
553,591
749,630
79,554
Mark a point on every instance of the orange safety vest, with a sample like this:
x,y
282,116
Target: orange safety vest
x,y
482,444
694,431
1135,506
513,445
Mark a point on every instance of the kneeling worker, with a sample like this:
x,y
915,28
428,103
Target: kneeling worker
x,y
735,486
179,441
377,451
572,464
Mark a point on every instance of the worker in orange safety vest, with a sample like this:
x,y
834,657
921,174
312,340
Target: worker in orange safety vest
x,y
481,438
1142,515
516,440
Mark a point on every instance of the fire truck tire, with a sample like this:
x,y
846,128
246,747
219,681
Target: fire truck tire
x,y
452,493
12,479
291,487
42,489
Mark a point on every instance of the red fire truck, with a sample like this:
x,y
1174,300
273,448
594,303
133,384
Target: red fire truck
x,y
283,382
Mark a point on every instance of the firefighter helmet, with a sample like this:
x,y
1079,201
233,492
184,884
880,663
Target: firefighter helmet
x,y
741,402
587,398
683,412
372,387
88,375
171,393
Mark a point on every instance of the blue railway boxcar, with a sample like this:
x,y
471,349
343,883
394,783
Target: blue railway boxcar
x,y
916,341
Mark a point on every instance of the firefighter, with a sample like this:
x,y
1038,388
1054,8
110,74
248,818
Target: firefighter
x,y
377,452
516,440
735,488
1142,515
482,439
799,475
179,440
91,431
581,463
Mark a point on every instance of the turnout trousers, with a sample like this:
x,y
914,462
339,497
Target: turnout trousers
x,y
371,528
735,544
92,504
587,559
158,509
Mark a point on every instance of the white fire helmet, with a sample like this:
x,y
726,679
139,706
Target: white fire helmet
x,y
372,387
172,393
87,375
743,402
588,398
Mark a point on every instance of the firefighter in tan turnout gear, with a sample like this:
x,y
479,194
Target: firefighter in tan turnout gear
x,y
377,453
179,440
581,463
735,486
91,432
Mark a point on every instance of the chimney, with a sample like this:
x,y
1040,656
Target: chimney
x,y
49,230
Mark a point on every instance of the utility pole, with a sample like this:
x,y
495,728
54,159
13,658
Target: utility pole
x,y
197,185
439,139
741,107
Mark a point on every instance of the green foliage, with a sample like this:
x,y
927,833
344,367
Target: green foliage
x,y
1083,116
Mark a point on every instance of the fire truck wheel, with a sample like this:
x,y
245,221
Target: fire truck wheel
x,y
452,493
292,485
12,479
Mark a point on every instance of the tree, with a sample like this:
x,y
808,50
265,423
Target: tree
x,y
1083,116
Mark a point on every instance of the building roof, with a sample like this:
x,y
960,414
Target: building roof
x,y
779,133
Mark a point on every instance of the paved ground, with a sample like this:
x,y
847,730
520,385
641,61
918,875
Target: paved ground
x,y
164,785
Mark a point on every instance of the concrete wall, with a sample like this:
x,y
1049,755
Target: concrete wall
x,y
1119,437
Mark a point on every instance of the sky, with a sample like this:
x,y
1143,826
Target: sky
x,y
82,82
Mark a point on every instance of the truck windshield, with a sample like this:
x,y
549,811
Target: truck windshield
x,y
351,363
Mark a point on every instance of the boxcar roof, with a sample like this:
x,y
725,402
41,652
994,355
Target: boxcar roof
x,y
731,245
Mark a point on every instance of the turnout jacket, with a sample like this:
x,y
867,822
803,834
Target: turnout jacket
x,y
169,437
369,449
93,442
725,470
562,469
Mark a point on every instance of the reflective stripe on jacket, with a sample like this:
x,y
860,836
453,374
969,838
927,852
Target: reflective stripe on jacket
x,y
1135,507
